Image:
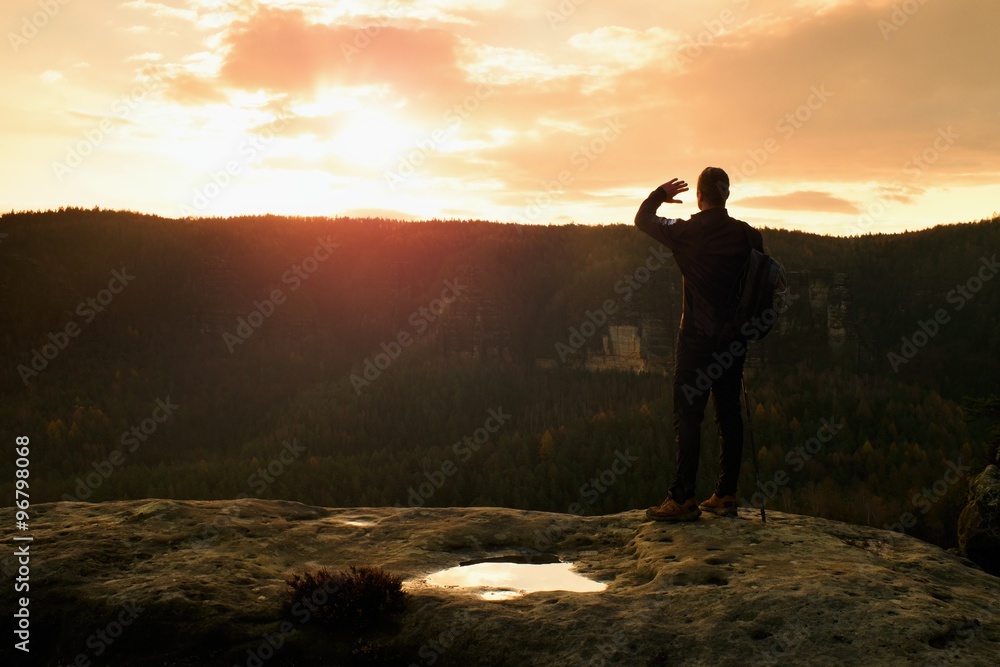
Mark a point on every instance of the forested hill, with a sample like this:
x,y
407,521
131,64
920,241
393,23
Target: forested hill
x,y
378,346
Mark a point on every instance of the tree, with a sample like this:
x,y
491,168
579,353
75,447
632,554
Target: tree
x,y
546,446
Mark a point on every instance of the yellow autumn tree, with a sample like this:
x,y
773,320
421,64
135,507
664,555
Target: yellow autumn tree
x,y
547,445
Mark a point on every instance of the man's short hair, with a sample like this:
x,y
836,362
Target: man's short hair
x,y
713,184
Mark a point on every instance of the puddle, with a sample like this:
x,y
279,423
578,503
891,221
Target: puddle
x,y
506,577
354,522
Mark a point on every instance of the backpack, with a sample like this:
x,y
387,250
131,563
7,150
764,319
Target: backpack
x,y
758,296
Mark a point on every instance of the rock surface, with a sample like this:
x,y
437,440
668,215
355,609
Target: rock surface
x,y
979,523
160,582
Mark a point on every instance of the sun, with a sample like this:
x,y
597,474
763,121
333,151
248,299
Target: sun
x,y
373,139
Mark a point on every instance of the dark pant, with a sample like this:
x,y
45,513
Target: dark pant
x,y
703,364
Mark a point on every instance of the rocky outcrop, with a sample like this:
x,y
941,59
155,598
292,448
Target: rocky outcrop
x,y
979,523
824,301
622,350
202,583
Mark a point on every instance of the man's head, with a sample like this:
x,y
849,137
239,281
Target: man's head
x,y
713,188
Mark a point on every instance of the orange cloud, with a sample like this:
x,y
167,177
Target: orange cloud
x,y
793,99
281,51
804,200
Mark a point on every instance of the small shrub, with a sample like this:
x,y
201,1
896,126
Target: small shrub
x,y
357,600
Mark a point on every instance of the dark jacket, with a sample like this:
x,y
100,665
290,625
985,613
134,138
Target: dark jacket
x,y
711,248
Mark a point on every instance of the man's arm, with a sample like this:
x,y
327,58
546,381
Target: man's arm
x,y
646,218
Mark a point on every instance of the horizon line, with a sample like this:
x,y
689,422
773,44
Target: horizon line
x,y
418,220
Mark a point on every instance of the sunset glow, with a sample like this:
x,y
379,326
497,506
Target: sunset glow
x,y
831,116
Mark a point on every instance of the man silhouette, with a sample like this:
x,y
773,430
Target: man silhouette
x,y
711,249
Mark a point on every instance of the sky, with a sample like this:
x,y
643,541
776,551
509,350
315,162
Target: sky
x,y
837,117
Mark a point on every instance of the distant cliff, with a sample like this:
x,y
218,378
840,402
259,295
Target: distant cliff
x,y
638,335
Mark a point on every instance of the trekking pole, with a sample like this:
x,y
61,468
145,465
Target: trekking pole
x,y
753,452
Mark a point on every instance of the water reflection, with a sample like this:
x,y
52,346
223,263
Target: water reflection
x,y
506,580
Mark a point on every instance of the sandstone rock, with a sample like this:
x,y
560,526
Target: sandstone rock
x,y
979,523
207,579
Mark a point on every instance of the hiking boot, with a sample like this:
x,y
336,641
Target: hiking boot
x,y
724,506
671,510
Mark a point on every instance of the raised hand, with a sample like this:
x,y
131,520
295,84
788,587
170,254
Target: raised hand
x,y
672,188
